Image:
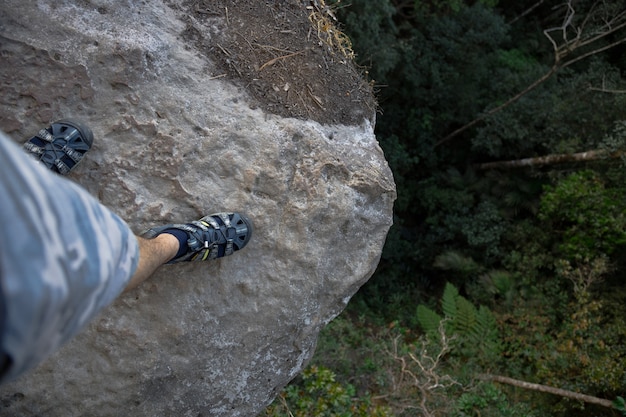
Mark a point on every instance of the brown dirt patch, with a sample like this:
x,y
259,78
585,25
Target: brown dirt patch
x,y
274,51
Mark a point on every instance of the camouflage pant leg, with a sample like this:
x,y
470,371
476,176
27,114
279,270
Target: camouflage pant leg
x,y
63,257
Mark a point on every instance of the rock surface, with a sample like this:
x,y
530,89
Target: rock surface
x,y
180,133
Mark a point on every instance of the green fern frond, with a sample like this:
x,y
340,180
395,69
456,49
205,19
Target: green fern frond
x,y
485,327
465,320
448,301
427,319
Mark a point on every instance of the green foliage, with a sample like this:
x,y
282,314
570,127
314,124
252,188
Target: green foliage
x,y
449,301
465,319
346,347
620,405
576,345
516,59
397,155
442,63
495,284
586,352
545,259
320,395
439,7
487,400
588,217
371,26
476,329
454,261
485,228
456,217
615,140
428,320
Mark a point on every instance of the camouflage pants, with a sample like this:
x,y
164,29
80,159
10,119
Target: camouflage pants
x,y
63,257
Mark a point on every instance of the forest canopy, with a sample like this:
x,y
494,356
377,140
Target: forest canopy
x,y
504,123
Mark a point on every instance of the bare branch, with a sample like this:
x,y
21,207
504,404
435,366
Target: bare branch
x,y
555,47
527,11
602,35
588,16
607,90
551,160
567,21
594,52
420,370
547,389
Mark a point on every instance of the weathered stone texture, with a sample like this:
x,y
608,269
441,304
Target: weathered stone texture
x,y
172,144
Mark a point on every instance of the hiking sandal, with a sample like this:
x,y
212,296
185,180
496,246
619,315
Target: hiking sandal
x,y
213,236
61,146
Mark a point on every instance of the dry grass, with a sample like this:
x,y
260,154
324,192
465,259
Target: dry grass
x,y
324,21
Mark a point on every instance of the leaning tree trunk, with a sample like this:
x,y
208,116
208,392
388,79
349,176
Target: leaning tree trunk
x,y
550,390
551,160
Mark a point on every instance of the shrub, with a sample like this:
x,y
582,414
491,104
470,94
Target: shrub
x,y
319,394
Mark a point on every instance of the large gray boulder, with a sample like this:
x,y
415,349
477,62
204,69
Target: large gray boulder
x,y
195,111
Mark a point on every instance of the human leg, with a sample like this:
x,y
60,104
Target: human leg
x,y
152,254
211,237
63,258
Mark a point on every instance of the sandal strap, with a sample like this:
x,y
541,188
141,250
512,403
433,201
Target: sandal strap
x,y
63,168
211,237
31,147
218,229
44,135
208,229
72,153
61,146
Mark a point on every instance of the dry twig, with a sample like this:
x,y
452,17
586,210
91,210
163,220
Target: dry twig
x,y
278,58
422,371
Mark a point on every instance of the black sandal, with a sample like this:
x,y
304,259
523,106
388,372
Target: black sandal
x,y
61,146
211,237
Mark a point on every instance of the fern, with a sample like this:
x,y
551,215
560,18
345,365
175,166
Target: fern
x,y
465,320
485,327
476,328
427,319
448,301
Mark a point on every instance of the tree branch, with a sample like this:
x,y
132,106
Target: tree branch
x,y
607,90
527,11
595,51
551,160
547,389
507,103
